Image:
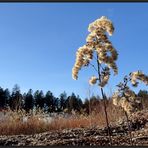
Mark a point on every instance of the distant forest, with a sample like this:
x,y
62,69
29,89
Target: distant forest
x,y
48,102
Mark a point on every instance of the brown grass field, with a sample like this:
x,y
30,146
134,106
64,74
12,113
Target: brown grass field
x,y
13,124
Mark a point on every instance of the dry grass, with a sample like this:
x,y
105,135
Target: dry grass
x,y
13,125
17,127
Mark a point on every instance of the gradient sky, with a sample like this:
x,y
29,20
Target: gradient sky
x,y
38,42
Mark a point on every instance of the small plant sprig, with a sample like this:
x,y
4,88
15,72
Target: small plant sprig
x,y
126,98
101,49
138,75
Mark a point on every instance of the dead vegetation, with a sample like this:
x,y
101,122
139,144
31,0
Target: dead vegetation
x,y
18,122
88,135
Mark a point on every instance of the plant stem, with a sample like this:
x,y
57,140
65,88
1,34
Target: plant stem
x,y
93,67
104,99
89,108
128,122
129,128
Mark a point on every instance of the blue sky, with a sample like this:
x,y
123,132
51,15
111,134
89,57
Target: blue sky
x,y
38,42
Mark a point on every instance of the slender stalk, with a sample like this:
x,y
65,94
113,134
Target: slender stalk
x,y
93,67
129,128
104,99
128,122
89,108
142,103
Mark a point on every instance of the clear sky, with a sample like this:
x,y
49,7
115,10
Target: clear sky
x,y
38,42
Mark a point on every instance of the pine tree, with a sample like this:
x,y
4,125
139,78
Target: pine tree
x,y
29,101
63,97
49,101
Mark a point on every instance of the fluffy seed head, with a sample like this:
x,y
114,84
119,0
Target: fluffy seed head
x,y
138,75
97,41
93,80
83,56
103,23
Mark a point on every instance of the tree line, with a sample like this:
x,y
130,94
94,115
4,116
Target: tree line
x,y
48,102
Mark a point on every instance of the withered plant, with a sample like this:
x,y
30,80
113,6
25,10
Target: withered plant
x,y
99,48
126,98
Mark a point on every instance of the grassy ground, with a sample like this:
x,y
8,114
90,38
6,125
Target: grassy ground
x,y
87,136
13,124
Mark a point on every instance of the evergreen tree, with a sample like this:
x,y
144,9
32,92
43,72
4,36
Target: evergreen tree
x,y
86,106
2,98
49,101
7,96
39,99
55,104
62,100
16,98
29,101
80,103
67,104
73,102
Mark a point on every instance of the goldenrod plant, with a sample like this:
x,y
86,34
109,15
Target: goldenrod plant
x,y
126,98
99,48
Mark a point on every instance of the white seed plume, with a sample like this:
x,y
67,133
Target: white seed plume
x,y
83,56
97,41
103,23
123,102
138,75
128,100
93,80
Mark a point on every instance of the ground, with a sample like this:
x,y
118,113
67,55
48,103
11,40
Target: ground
x,y
87,136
